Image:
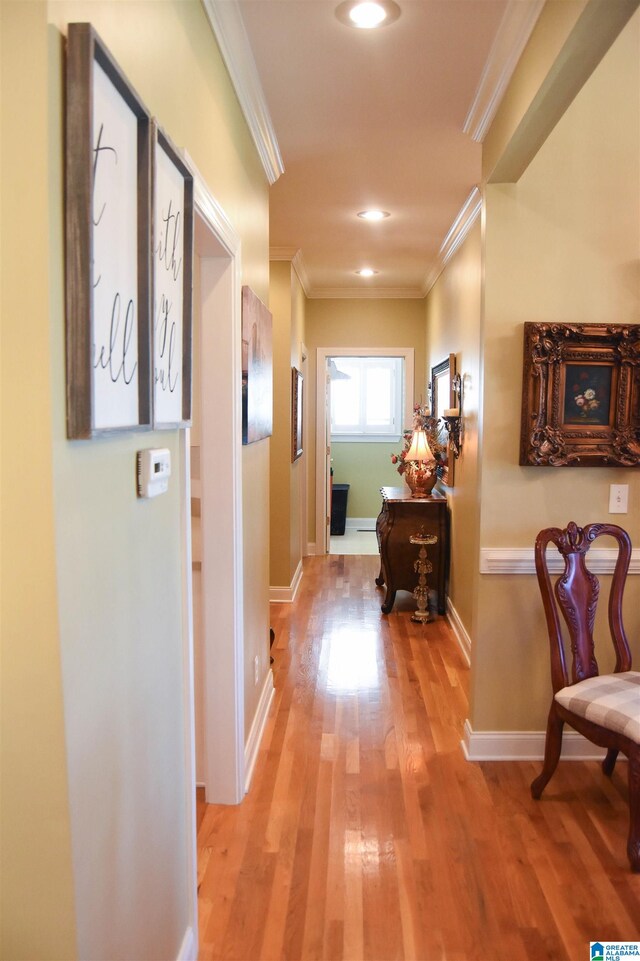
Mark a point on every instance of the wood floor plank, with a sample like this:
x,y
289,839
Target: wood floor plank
x,y
366,836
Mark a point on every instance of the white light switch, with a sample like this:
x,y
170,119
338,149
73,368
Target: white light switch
x,y
618,498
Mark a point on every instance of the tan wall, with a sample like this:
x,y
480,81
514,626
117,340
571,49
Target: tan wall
x,y
359,323
561,245
36,886
281,507
117,569
453,311
287,303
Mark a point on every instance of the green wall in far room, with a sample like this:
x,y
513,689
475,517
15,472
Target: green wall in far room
x,y
366,468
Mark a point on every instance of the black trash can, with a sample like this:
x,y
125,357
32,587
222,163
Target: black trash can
x,y
339,508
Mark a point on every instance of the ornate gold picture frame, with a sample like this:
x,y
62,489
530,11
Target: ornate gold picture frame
x,y
581,395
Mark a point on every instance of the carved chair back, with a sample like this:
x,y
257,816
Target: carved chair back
x,y
575,596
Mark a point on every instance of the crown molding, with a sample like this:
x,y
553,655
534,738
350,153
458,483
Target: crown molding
x,y
226,22
294,256
514,31
366,293
464,221
283,253
300,268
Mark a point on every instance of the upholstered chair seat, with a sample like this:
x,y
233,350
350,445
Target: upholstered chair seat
x,y
610,700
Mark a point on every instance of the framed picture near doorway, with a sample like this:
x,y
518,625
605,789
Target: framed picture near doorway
x,y
257,369
107,226
297,412
442,398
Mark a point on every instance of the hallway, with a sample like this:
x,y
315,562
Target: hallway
x,y
366,835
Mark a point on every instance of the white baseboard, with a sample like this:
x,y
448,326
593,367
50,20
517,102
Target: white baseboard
x,y
189,947
458,628
252,747
286,595
311,550
524,746
356,523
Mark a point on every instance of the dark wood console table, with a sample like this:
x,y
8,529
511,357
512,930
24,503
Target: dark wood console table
x,y
402,516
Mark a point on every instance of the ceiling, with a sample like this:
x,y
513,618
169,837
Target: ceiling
x,y
377,118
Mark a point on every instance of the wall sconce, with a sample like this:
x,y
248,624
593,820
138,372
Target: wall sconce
x,y
452,418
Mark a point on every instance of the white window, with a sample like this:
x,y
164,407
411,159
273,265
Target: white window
x,y
367,398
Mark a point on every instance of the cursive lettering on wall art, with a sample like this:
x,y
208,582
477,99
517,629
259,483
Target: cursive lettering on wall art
x,y
168,247
114,256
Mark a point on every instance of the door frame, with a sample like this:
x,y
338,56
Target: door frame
x,y
222,566
322,474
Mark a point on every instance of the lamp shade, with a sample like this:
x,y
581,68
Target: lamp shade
x,y
419,449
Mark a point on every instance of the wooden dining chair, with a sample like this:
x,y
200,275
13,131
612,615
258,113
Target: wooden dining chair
x,y
605,708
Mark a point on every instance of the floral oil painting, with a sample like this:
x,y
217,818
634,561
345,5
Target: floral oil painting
x,y
587,394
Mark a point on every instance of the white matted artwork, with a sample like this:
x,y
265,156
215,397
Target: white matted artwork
x,y
172,285
107,244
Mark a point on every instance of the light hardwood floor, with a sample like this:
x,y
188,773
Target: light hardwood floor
x,y
366,835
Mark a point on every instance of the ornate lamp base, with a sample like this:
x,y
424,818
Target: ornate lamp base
x,y
421,481
422,566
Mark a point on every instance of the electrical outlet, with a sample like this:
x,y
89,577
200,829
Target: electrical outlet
x,y
256,669
618,498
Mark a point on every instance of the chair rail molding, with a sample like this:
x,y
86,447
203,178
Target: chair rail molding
x,y
228,27
520,560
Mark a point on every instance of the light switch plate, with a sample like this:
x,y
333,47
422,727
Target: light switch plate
x,y
618,498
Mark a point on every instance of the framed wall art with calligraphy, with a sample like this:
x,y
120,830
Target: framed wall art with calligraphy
x,y
172,248
107,172
581,395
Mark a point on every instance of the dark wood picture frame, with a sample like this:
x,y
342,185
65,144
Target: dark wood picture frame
x,y
581,395
108,317
443,398
172,284
297,413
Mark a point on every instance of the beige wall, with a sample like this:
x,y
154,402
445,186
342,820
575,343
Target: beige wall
x,y
359,323
107,607
38,919
453,312
561,245
288,305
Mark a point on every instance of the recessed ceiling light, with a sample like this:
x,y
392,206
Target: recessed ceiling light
x,y
368,14
366,272
373,215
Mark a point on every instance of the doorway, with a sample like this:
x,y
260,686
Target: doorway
x,y
328,360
